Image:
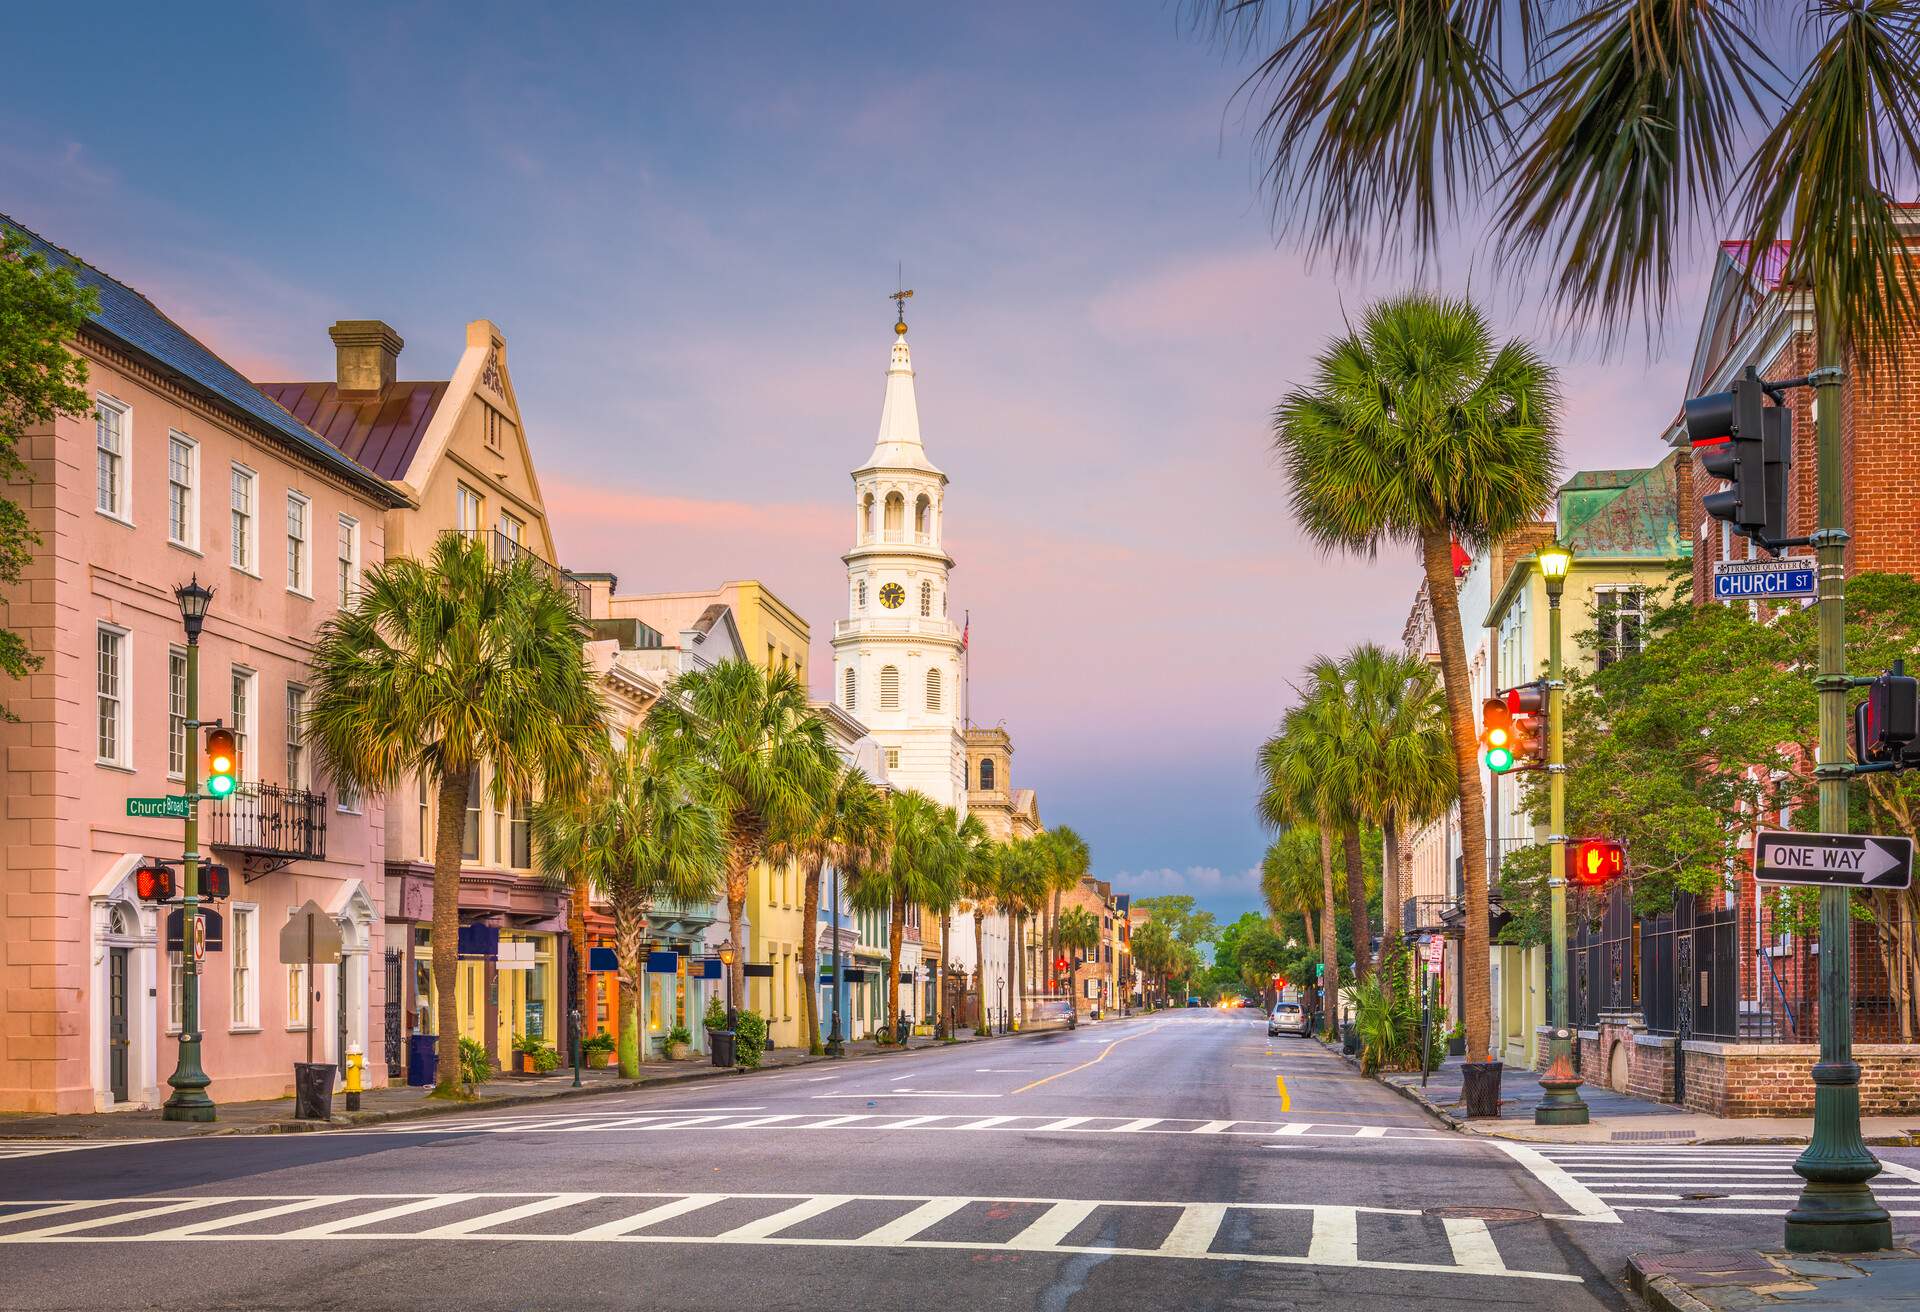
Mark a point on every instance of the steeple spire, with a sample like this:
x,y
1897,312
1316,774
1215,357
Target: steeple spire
x,y
898,444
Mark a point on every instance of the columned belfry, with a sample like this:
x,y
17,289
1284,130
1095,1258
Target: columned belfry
x,y
897,657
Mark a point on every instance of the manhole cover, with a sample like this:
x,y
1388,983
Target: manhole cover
x,y
1468,1213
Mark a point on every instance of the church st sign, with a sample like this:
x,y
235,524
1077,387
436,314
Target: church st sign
x,y
1847,860
162,808
1764,580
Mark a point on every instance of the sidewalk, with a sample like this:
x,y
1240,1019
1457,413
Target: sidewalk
x,y
398,1103
1809,1282
1619,1117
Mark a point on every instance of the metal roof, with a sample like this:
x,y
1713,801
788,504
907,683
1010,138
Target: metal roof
x,y
131,319
382,433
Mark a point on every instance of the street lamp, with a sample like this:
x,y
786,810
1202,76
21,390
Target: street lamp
x,y
189,1101
726,965
1562,1104
836,1044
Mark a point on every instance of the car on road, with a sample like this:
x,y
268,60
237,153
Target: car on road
x,y
1193,1002
1287,1018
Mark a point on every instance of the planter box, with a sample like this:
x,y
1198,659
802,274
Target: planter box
x,y
523,1063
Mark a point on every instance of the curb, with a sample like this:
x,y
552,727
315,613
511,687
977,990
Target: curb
x,y
1662,1292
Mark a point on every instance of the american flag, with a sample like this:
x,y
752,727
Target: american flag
x,y
965,625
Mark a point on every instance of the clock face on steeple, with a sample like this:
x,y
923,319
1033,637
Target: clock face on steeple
x,y
891,595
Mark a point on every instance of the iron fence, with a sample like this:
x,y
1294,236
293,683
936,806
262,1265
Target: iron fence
x,y
276,824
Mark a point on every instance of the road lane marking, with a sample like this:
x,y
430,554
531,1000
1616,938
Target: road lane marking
x,y
193,1228
1192,1235
835,1120
1336,1237
987,1122
1134,1127
92,1222
1052,1226
1280,1083
1472,1245
1214,1127
924,1217
1298,1127
761,1120
327,1229
1586,1207
626,1225
912,1121
769,1226
1083,1065
1064,1123
475,1224
905,1093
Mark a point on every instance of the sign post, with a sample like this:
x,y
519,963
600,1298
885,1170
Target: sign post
x,y
310,937
1833,860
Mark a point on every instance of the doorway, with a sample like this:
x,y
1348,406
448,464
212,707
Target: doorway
x,y
118,1042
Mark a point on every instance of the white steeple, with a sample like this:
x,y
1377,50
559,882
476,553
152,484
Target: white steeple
x,y
898,444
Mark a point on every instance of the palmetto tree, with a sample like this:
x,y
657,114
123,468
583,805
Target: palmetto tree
x,y
1077,930
1153,947
980,889
765,758
846,827
640,833
1024,874
1406,771
439,668
1067,862
1418,428
1290,878
913,871
963,838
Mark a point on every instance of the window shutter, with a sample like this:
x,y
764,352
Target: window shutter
x,y
889,688
848,700
933,690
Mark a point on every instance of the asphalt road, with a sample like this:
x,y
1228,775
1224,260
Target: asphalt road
x,y
1180,1161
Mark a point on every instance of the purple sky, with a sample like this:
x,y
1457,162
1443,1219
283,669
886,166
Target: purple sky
x,y
687,224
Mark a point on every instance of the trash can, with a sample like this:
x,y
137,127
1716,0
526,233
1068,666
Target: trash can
x,y
313,1090
1480,1088
1349,1039
423,1059
725,1049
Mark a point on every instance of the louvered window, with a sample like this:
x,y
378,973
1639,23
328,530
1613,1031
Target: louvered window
x,y
933,690
847,699
926,600
889,688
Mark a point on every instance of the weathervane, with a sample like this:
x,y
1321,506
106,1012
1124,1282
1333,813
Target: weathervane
x,y
899,299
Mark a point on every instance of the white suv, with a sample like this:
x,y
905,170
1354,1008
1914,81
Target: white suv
x,y
1287,1018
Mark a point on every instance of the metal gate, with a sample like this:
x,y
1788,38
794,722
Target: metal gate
x,y
392,1010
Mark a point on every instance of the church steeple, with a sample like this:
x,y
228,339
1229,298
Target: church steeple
x,y
898,444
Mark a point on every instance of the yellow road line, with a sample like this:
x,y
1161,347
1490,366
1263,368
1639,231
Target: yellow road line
x,y
1280,1084
1083,1065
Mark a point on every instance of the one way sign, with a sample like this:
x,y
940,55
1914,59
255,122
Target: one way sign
x,y
1852,860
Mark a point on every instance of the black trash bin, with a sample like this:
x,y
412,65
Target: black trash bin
x,y
1480,1088
1349,1039
313,1090
423,1059
725,1047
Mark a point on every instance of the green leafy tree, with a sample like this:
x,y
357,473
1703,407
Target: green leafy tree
x,y
42,307
639,833
766,760
1405,769
1066,860
1025,872
1153,955
441,667
1419,428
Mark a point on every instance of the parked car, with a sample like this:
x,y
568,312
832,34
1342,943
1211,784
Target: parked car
x,y
1194,1002
1287,1018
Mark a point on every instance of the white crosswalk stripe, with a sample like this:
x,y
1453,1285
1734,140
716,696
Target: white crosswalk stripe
x,y
1730,1181
10,1148
1372,1238
889,1121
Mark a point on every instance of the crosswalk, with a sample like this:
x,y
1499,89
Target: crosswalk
x,y
881,1122
11,1148
1731,1181
1275,1234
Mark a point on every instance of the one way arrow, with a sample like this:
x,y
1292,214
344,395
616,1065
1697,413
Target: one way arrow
x,y
1833,858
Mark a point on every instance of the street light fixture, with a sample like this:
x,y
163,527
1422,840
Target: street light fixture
x,y
1562,1104
726,951
189,1100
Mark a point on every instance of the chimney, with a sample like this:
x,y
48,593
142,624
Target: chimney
x,y
367,353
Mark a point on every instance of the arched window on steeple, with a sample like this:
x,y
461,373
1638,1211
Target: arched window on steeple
x,y
861,604
986,775
926,598
895,521
866,519
933,690
849,684
889,687
923,519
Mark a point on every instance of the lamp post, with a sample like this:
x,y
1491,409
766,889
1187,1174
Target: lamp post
x,y
836,1042
1562,1104
726,965
189,1101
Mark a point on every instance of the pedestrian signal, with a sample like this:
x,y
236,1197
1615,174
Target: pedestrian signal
x,y
154,883
1597,861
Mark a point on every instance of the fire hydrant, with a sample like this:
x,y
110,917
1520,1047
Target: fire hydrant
x,y
356,1066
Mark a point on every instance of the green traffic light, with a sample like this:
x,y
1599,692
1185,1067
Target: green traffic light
x,y
220,785
1499,759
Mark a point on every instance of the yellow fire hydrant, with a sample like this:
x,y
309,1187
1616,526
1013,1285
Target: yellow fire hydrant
x,y
356,1067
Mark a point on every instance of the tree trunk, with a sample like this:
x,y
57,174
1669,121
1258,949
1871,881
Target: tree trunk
x,y
1053,943
1313,939
1362,927
740,862
577,937
810,958
896,939
1329,937
1390,895
446,929
980,971
941,1027
1437,556
629,937
1017,950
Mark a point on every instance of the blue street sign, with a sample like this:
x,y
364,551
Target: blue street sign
x,y
1740,580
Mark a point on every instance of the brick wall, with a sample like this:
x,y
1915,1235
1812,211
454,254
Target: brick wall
x,y
1777,1079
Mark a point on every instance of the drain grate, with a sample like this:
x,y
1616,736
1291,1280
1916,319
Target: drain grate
x,y
1642,1135
1466,1212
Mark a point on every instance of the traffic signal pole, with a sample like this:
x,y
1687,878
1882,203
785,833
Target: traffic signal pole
x,y
189,1101
1562,1104
1836,1211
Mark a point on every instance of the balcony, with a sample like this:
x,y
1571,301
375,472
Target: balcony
x,y
901,536
906,625
270,826
505,551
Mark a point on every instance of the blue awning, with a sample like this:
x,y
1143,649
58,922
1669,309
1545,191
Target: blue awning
x,y
663,963
602,959
710,968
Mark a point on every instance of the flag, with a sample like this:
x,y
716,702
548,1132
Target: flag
x,y
965,625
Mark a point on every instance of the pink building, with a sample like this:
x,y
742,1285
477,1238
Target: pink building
x,y
183,470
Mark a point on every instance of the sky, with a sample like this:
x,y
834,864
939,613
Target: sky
x,y
687,219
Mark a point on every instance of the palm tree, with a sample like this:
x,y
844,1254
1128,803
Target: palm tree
x,y
640,833
1022,890
1077,931
980,888
1152,949
1406,771
1289,879
766,759
845,826
1418,428
438,669
1067,863
963,839
914,872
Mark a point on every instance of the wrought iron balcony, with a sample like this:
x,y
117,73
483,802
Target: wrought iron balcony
x,y
270,826
1422,913
505,551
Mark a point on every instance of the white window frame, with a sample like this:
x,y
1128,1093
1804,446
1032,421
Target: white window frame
x,y
462,495
345,800
300,546
300,991
850,689
177,719
1604,602
299,769
246,736
936,690
245,543
348,536
122,511
189,536
122,695
176,991
243,940
517,534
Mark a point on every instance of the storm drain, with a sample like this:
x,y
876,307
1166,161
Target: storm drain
x,y
1465,1212
1643,1135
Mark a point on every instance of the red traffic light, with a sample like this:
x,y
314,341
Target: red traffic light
x,y
1596,861
154,883
1528,698
216,881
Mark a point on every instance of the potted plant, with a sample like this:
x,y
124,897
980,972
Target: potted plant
x,y
1457,1041
532,1057
677,1042
597,1049
716,1017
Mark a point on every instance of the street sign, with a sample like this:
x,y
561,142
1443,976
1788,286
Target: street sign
x,y
209,931
1848,860
158,808
323,948
1765,580
1436,953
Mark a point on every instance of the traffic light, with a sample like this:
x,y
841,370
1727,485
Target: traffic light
x,y
1596,862
223,763
216,881
154,883
1527,716
1887,723
1496,735
1739,438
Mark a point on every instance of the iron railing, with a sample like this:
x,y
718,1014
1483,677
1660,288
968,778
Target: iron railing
x,y
505,551
1422,912
271,822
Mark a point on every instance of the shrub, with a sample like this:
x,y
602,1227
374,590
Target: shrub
x,y
475,1066
750,1039
716,1017
678,1034
597,1043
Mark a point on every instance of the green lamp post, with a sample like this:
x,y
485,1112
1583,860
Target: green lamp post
x,y
189,1100
1562,1104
